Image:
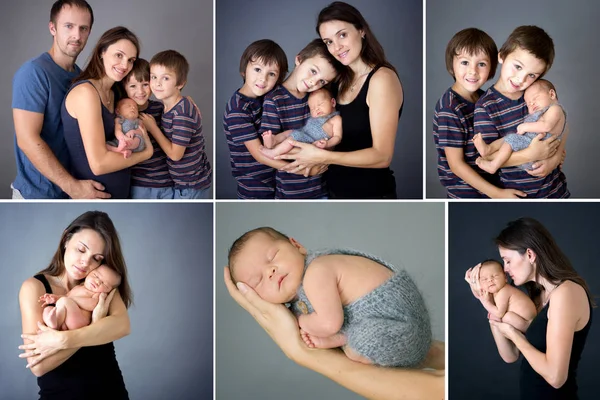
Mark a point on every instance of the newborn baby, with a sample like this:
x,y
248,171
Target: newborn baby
x,y
128,137
323,128
342,298
74,310
504,302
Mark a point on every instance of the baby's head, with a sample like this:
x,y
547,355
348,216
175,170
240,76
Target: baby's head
x,y
471,58
263,66
102,280
491,276
315,67
540,94
321,103
127,108
269,262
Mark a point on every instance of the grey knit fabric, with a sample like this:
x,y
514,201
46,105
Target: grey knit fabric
x,y
390,325
128,125
519,142
313,130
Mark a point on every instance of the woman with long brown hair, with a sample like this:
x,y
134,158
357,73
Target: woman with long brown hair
x,y
369,98
555,339
79,363
88,114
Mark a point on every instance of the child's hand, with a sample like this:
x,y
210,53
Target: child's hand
x,y
520,129
48,298
148,121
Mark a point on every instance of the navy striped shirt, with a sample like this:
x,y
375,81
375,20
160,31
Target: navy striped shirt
x,y
241,123
154,171
182,125
453,127
283,111
496,116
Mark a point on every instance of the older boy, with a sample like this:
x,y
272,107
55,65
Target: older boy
x,y
471,61
39,88
526,56
182,140
263,66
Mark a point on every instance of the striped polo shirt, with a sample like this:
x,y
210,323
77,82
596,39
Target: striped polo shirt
x,y
453,127
182,125
241,123
496,116
154,171
283,111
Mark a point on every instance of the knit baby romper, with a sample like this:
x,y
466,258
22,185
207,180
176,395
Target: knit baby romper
x,y
313,130
390,325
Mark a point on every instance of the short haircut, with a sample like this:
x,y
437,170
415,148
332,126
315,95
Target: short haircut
x,y
140,71
267,52
174,61
472,41
547,85
241,242
58,6
491,262
532,39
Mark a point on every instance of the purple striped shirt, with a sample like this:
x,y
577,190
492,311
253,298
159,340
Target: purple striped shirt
x,y
241,123
283,111
496,116
154,171
182,125
453,127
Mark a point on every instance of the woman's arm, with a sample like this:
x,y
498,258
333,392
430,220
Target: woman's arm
x,y
564,312
49,348
507,349
366,380
84,104
384,98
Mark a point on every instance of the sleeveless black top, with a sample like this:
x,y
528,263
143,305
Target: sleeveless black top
x,y
532,385
359,183
116,183
90,373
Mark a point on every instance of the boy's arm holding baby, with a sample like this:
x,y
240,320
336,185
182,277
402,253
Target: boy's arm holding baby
x,y
320,284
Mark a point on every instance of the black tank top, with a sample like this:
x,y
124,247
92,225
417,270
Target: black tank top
x,y
359,183
90,373
116,183
532,385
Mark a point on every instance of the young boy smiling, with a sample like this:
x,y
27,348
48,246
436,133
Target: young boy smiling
x,y
181,122
526,56
263,65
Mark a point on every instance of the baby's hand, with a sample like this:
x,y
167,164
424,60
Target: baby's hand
x,y
48,298
520,129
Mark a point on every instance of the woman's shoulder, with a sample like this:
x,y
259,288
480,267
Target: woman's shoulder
x,y
32,286
568,294
385,81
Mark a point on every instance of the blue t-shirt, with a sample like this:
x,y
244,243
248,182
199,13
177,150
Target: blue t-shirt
x,y
40,86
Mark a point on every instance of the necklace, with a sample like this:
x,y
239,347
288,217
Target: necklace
x,y
105,99
357,79
548,296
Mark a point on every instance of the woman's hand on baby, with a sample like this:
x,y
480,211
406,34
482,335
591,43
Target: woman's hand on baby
x,y
276,319
45,343
101,309
304,159
472,278
542,149
506,329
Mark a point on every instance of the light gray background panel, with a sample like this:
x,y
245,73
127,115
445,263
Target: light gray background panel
x,y
397,25
168,251
409,235
574,29
182,25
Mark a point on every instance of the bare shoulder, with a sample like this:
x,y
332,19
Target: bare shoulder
x,y
385,78
568,293
83,90
32,287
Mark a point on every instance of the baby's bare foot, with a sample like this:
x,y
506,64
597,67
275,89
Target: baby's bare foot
x,y
481,146
486,165
268,140
331,342
306,338
270,153
126,153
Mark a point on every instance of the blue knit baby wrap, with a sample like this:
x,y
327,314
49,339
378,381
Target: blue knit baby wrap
x,y
126,126
313,130
390,325
519,142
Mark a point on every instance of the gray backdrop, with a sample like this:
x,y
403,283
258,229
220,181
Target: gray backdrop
x,y
182,25
574,28
249,364
475,367
398,27
168,251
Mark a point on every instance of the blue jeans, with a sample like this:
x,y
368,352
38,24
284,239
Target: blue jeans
x,y
140,192
192,194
